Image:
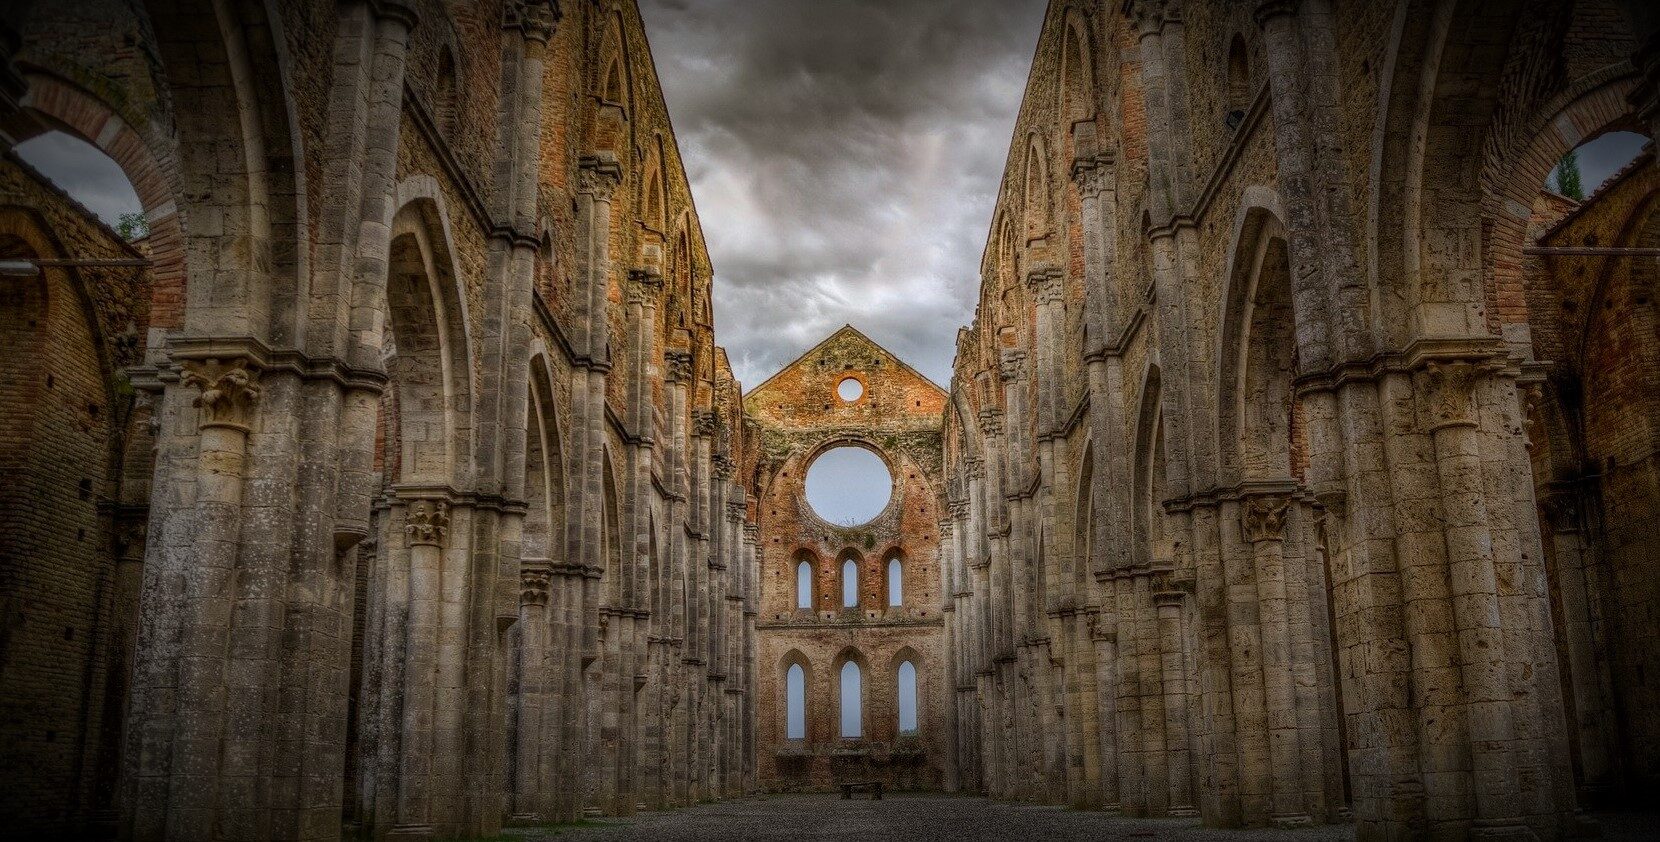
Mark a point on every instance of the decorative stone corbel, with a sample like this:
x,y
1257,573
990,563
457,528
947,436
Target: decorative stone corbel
x,y
1262,518
428,522
230,388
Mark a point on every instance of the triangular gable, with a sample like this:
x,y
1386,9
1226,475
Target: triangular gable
x,y
844,331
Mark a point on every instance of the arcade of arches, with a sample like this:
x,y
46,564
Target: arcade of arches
x,y
1301,464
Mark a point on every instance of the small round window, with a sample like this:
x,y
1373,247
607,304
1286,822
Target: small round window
x,y
848,485
850,389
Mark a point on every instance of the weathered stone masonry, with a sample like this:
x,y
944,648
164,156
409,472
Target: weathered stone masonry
x,y
1238,448
792,418
443,504
394,485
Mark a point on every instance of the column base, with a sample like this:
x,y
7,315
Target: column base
x,y
410,831
1186,811
523,819
1291,820
1504,829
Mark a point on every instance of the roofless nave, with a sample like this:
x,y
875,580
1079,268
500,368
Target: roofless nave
x,y
1299,466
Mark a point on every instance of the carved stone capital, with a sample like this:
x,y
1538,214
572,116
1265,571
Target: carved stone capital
x,y
1267,10
1011,366
975,468
1446,393
705,422
535,19
1148,16
1262,518
722,465
645,286
991,423
1091,175
598,175
534,580
752,533
230,388
1045,284
677,366
402,11
957,508
427,523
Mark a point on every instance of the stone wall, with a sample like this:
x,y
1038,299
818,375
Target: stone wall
x,y
68,523
1235,457
443,525
794,417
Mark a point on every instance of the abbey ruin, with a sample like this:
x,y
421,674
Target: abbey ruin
x,y
1301,465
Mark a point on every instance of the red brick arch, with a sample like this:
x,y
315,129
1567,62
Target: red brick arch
x,y
1592,106
74,110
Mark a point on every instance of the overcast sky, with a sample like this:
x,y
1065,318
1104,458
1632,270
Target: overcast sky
x,y
844,156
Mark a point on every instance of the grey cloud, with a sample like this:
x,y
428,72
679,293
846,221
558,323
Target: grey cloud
x,y
844,156
83,172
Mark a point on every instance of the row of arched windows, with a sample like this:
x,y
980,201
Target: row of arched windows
x,y
851,726
850,582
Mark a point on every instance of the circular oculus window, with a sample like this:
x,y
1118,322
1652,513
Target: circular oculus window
x,y
850,389
848,485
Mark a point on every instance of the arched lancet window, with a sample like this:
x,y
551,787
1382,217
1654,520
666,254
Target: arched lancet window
x,y
896,582
795,703
804,584
907,698
444,111
850,584
852,712
1239,82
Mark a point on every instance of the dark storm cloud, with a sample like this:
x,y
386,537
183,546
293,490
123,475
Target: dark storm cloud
x,y
844,156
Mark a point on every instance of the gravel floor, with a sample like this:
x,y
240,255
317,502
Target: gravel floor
x,y
920,818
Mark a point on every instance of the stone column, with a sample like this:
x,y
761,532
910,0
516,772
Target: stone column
x,y
752,567
1169,604
426,523
1585,643
597,178
229,393
1262,526
531,792
1446,393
